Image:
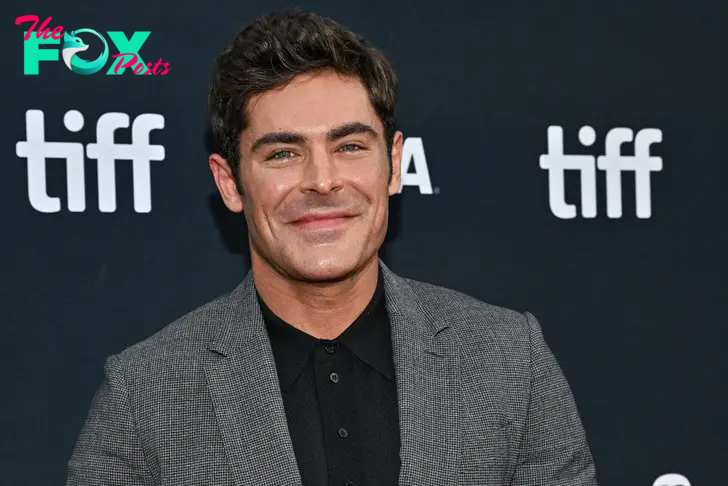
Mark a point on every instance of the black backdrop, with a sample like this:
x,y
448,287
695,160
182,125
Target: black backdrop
x,y
634,308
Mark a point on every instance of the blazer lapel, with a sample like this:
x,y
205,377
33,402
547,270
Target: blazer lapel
x,y
248,404
427,365
246,395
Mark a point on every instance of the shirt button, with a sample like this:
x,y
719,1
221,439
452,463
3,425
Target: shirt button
x,y
334,377
330,348
343,432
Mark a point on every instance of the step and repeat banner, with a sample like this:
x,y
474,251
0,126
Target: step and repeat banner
x,y
564,158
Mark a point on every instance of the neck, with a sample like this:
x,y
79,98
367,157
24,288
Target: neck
x,y
322,309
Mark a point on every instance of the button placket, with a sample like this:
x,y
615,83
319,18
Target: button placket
x,y
333,365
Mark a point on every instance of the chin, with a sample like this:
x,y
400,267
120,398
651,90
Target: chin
x,y
327,267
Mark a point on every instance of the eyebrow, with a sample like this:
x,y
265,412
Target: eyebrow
x,y
334,134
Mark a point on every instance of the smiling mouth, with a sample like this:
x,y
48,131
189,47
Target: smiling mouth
x,y
323,223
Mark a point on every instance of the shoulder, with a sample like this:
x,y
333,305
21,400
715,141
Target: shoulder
x,y
495,347
475,322
187,338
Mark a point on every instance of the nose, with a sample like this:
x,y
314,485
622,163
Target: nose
x,y
320,173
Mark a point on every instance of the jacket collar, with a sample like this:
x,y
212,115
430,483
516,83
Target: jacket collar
x,y
242,320
245,389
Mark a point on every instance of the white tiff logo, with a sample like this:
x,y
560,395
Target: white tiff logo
x,y
613,163
671,480
105,151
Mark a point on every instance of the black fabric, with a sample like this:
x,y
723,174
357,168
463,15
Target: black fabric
x,y
340,398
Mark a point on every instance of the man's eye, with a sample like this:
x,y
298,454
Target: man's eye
x,y
281,155
351,147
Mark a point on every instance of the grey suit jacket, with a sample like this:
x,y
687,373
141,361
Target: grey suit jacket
x,y
482,400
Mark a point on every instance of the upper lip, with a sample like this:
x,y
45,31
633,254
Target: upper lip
x,y
324,215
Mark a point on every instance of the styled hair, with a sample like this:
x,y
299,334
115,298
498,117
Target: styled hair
x,y
271,51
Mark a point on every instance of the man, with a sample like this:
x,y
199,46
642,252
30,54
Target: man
x,y
323,366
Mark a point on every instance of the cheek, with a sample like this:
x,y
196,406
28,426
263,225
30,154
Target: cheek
x,y
371,173
371,183
267,190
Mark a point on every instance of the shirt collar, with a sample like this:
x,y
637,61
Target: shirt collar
x,y
368,337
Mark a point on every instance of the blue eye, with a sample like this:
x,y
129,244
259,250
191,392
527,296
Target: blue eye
x,y
350,147
281,155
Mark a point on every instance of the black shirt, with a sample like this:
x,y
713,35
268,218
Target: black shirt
x,y
340,398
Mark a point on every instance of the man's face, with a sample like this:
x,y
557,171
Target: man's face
x,y
314,170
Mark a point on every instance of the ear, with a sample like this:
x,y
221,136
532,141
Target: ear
x,y
225,182
396,163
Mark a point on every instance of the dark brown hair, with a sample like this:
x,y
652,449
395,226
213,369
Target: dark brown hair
x,y
273,50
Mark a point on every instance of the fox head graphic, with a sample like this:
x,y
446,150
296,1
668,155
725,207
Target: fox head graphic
x,y
72,45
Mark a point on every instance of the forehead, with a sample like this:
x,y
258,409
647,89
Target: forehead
x,y
310,104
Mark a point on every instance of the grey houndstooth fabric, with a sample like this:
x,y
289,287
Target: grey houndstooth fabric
x,y
481,400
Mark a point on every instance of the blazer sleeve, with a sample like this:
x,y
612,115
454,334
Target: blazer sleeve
x,y
554,449
108,450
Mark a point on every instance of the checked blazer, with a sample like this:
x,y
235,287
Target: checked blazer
x,y
481,400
